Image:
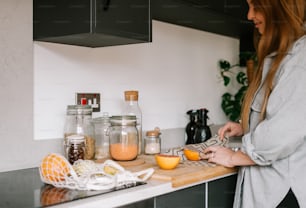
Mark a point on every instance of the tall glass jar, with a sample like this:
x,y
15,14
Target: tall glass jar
x,y
123,138
131,107
101,126
79,122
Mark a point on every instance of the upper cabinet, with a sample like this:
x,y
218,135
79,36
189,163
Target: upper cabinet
x,y
92,23
97,23
224,17
216,16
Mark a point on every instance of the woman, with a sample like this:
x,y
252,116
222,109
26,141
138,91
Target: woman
x,y
272,158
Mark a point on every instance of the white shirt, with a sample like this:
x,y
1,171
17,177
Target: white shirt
x,y
278,143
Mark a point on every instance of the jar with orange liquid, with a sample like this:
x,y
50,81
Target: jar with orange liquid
x,y
123,138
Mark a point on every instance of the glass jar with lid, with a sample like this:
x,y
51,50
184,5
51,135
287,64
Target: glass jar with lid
x,y
131,107
123,138
152,142
101,126
79,122
75,148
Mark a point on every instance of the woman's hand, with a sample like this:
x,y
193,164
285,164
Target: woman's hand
x,y
230,129
226,157
219,155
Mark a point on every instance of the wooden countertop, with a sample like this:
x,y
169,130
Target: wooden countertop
x,y
185,173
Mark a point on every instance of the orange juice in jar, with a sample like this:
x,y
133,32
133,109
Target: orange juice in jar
x,y
123,137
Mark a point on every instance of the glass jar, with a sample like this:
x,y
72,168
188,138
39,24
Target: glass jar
x,y
75,148
152,142
101,125
131,107
79,122
123,138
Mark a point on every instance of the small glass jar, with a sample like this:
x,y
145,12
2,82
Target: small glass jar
x,y
79,122
123,138
101,126
75,149
152,142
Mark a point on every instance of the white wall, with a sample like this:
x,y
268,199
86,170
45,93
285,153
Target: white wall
x,y
176,72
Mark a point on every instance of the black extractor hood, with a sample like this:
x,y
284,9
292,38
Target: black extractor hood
x,y
92,23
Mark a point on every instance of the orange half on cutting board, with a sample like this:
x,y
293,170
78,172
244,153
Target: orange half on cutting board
x,y
167,162
192,155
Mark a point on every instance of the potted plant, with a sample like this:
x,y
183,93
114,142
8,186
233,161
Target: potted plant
x,y
231,102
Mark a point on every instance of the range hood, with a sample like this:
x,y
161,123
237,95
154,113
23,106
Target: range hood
x,y
92,23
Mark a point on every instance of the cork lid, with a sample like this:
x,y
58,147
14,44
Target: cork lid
x,y
153,133
131,95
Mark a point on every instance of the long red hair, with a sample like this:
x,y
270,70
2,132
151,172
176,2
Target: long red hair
x,y
284,25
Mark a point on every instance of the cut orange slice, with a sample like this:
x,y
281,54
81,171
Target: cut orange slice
x,y
192,155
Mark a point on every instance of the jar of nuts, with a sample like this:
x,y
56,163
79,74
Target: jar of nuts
x,y
75,148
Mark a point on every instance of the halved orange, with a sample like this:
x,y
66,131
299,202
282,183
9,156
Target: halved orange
x,y
167,162
192,155
54,167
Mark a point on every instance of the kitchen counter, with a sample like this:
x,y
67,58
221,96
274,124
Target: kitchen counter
x,y
23,188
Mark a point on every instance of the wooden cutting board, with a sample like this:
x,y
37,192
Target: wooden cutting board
x,y
185,173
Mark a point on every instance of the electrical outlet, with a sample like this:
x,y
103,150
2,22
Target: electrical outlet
x,y
92,99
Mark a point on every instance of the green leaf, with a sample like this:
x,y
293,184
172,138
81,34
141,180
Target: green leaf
x,y
242,78
226,80
240,94
225,65
231,106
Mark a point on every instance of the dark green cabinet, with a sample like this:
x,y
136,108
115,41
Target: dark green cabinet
x,y
224,17
97,23
221,192
92,23
193,197
203,15
215,194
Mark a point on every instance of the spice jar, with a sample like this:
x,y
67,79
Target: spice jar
x,y
79,122
152,142
123,138
75,148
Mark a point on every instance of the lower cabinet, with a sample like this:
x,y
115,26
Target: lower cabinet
x,y
149,203
193,197
221,192
215,194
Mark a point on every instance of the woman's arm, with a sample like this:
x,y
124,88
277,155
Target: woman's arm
x,y
226,157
